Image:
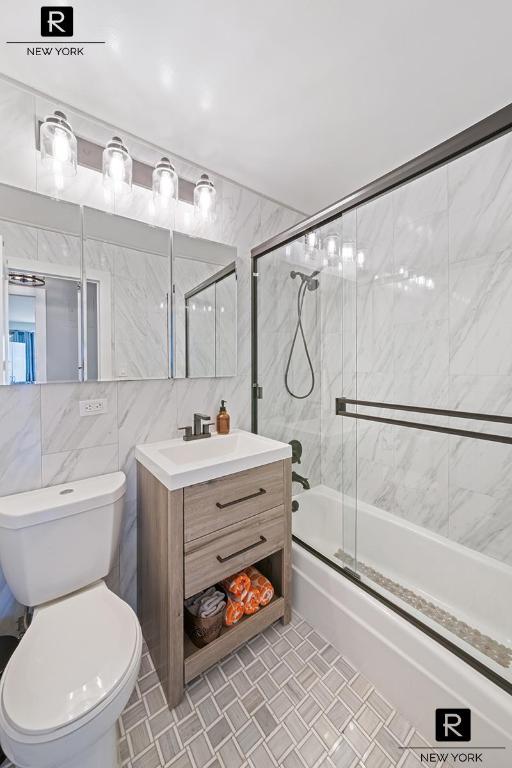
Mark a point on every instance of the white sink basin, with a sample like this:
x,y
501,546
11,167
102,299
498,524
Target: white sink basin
x,y
177,463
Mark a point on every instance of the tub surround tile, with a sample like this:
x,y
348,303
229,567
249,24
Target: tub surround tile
x,y
480,200
421,198
481,522
425,321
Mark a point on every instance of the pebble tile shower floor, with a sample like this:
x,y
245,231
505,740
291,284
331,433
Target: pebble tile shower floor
x,y
286,698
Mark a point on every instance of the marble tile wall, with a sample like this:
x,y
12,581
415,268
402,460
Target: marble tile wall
x,y
42,438
279,414
428,322
418,313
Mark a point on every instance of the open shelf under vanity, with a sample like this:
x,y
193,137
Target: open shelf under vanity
x,y
197,660
192,538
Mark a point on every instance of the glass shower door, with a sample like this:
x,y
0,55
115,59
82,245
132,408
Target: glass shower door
x,y
300,359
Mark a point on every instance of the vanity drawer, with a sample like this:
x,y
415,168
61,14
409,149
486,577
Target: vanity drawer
x,y
221,553
218,503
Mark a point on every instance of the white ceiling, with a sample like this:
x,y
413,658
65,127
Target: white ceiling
x,y
301,100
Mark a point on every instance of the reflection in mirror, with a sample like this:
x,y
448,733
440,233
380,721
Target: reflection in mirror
x,y
40,298
127,271
205,307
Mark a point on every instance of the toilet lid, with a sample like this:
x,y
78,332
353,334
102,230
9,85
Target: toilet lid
x,y
75,652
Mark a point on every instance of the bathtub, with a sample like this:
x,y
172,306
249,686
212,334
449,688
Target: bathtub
x,y
394,654
473,587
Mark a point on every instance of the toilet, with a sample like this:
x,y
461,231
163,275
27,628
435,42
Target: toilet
x,y
76,666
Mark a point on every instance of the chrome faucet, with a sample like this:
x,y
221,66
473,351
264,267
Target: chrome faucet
x,y
198,432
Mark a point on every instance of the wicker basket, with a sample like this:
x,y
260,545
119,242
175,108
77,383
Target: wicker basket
x,y
203,630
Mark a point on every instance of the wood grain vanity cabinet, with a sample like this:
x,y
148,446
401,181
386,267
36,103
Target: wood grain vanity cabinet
x,y
191,538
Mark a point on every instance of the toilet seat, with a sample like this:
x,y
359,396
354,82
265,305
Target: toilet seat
x,y
72,662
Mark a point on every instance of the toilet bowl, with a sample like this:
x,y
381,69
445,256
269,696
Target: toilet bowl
x,y
76,666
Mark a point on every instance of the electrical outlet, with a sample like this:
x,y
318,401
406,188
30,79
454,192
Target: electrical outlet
x,y
93,407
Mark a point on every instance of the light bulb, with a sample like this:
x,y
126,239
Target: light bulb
x,y
58,147
61,148
165,183
205,198
117,168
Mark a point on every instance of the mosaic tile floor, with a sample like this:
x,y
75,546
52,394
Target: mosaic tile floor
x,y
286,698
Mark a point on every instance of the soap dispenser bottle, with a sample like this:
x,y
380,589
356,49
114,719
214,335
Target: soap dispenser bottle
x,y
223,419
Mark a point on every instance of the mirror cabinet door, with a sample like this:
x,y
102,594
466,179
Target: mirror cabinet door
x,y
41,290
85,296
205,307
127,283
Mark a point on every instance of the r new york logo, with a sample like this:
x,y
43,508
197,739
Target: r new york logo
x,y
453,725
57,25
56,21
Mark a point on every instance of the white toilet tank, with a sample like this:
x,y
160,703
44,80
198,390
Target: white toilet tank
x,y
56,540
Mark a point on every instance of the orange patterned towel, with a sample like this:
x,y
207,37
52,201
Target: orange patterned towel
x,y
251,601
261,583
237,584
234,610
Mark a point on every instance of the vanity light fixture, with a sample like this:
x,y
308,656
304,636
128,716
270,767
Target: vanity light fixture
x,y
117,168
205,196
58,147
165,184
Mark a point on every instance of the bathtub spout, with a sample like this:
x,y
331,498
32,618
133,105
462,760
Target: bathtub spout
x,y
296,478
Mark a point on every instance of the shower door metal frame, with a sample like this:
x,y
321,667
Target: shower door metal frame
x,y
471,138
482,132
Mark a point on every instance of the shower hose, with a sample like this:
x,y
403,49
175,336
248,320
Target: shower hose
x,y
300,301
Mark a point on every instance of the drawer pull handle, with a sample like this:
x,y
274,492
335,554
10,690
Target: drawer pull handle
x,y
241,551
239,501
